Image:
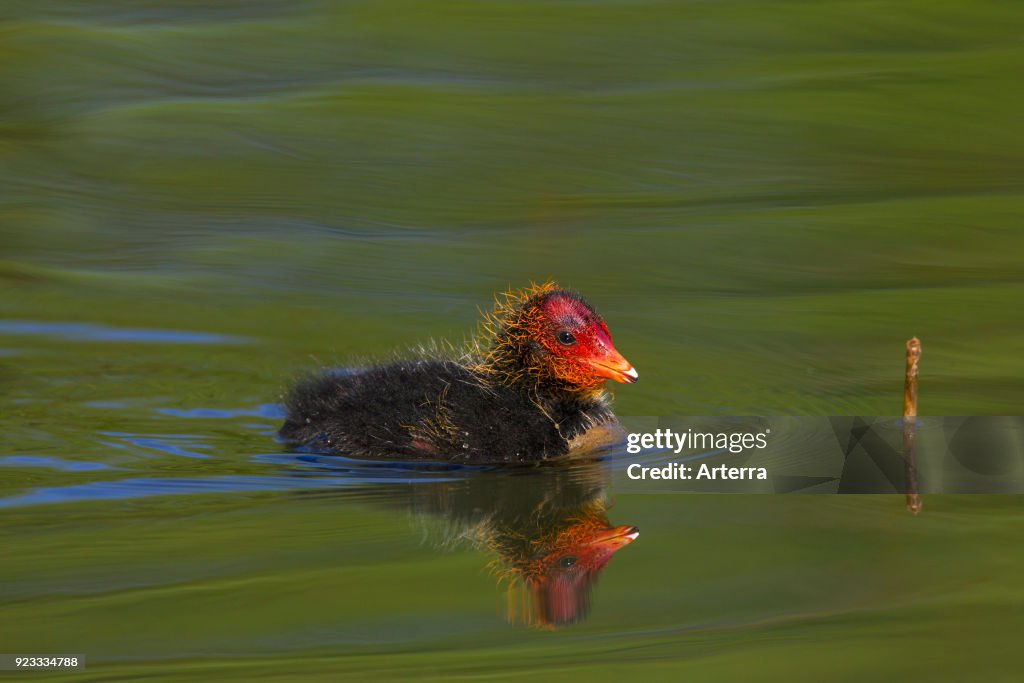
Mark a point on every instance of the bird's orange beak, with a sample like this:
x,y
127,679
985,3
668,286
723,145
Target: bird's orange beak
x,y
614,366
616,537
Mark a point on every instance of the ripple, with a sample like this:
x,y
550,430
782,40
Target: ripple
x,y
52,463
184,445
268,410
94,332
369,470
142,487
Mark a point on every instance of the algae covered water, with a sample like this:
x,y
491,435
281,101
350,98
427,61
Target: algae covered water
x,y
199,201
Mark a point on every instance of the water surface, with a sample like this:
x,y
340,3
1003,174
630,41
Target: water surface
x,y
200,200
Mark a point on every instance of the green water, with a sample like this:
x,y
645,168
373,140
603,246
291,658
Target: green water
x,y
200,199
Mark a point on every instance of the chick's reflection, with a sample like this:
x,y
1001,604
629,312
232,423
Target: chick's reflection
x,y
559,581
546,529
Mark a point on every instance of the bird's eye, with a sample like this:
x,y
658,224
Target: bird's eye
x,y
566,562
565,338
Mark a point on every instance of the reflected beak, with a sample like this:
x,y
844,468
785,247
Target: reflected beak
x,y
616,537
615,367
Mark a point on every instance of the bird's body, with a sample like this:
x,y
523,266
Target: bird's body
x,y
429,409
505,399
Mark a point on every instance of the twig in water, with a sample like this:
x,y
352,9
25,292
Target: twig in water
x,y
910,423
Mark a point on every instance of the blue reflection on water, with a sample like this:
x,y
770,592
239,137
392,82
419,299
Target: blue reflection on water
x,y
52,463
268,410
184,445
165,486
92,332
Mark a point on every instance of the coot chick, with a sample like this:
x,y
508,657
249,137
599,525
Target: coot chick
x,y
527,387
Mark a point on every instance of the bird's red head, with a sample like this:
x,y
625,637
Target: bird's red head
x,y
578,342
551,333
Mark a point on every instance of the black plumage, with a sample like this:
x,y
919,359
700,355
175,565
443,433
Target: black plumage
x,y
459,409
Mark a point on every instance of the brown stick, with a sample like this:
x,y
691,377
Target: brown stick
x,y
910,424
